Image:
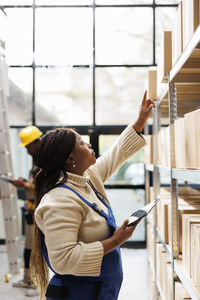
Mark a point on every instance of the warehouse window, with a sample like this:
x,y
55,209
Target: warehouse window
x,y
83,64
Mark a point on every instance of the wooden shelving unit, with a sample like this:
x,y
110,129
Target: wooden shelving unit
x,y
180,95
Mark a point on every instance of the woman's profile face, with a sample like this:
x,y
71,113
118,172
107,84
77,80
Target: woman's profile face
x,y
83,154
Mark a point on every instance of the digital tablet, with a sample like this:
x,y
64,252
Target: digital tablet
x,y
141,213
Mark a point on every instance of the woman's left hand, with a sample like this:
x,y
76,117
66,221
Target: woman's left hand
x,y
144,113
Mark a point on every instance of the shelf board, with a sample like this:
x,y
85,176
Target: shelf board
x,y
186,280
190,53
151,167
186,175
180,174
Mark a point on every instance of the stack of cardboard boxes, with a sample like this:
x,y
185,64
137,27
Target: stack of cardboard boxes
x,y
186,133
189,236
191,246
187,141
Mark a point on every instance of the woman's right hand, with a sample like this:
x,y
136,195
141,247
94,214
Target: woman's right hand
x,y
121,235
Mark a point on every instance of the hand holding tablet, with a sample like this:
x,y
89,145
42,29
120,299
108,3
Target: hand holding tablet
x,y
141,213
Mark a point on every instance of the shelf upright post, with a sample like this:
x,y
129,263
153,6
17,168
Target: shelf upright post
x,y
174,183
155,185
147,172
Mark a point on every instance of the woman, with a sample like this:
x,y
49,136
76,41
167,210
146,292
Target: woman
x,y
76,233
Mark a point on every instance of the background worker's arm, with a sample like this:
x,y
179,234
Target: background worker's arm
x,y
23,183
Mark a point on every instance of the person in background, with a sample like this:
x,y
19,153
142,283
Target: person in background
x,y
30,137
75,230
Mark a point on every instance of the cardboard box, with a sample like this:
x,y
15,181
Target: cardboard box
x,y
165,61
186,196
190,19
166,275
148,150
150,243
164,147
197,257
152,84
190,151
192,139
180,292
197,138
186,209
169,281
179,135
159,263
187,221
195,252
164,220
177,35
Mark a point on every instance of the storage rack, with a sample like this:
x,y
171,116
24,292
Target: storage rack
x,y
185,71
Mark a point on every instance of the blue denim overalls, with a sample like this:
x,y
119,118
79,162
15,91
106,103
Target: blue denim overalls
x,y
106,286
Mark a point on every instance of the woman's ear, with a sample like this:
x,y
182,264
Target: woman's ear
x,y
70,160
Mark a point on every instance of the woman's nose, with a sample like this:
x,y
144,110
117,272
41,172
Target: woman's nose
x,y
89,145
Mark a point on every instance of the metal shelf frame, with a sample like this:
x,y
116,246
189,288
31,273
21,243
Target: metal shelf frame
x,y
175,76
186,175
179,174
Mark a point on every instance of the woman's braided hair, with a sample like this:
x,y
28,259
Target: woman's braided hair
x,y
50,156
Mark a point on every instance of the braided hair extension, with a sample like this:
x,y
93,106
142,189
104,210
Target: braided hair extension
x,y
50,156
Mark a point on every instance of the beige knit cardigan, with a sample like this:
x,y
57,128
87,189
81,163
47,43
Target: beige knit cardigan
x,y
72,229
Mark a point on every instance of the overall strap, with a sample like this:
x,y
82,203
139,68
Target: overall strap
x,y
99,195
94,206
45,253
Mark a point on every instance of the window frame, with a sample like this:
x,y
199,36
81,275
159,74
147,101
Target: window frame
x,y
94,131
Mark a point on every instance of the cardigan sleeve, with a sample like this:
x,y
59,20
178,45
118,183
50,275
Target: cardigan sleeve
x,y
60,224
128,143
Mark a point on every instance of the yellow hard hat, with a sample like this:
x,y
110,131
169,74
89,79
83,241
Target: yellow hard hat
x,y
28,135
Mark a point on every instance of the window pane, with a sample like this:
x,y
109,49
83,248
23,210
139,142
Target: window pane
x,y
132,171
20,99
129,30
64,36
19,36
167,1
124,202
16,2
64,2
164,20
120,91
63,96
2,26
123,2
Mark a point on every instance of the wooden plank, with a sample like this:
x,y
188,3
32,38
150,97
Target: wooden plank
x,y
187,78
189,97
184,103
192,64
189,71
195,54
188,88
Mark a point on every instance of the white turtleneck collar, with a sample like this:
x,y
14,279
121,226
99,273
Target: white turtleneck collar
x,y
77,179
